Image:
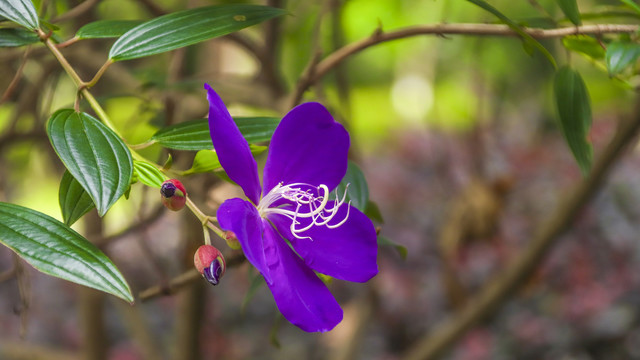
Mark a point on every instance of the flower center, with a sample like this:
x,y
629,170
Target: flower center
x,y
308,201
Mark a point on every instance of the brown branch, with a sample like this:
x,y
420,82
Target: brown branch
x,y
248,44
497,291
140,225
306,81
14,137
91,306
139,330
31,351
270,73
338,41
184,279
16,77
7,275
152,7
24,289
361,312
337,57
82,8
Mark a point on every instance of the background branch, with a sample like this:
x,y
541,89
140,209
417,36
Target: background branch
x,y
30,351
16,78
76,12
185,279
515,275
137,226
378,36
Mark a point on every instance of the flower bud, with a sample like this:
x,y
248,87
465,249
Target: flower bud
x,y
232,240
210,263
173,194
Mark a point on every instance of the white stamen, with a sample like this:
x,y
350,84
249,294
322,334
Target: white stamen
x,y
307,205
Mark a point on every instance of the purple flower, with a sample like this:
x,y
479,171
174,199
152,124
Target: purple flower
x,y
296,227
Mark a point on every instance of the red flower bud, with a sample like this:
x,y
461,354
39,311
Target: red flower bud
x,y
210,263
173,194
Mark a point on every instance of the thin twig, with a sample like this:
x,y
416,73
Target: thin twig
x,y
497,291
306,79
24,289
91,304
270,73
31,350
76,11
204,219
337,41
139,330
137,226
379,36
184,279
152,7
7,274
248,44
12,137
98,75
16,77
67,43
536,5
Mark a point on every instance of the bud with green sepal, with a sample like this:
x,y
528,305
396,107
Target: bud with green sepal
x,y
232,240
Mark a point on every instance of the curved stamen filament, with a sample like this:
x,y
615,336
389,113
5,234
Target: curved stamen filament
x,y
308,204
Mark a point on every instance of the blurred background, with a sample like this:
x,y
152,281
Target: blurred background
x,y
457,137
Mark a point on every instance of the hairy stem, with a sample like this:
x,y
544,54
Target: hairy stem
x,y
204,219
99,74
84,90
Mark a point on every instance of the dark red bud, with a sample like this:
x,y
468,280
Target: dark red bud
x,y
174,195
210,263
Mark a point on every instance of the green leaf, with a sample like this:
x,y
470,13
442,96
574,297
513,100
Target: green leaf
x,y
273,334
95,156
188,135
358,190
257,129
106,29
574,109
207,160
528,39
256,282
620,55
373,212
21,12
148,174
57,250
632,5
13,37
74,201
188,27
570,10
204,161
194,134
168,164
223,175
584,44
384,241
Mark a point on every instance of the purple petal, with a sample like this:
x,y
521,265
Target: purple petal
x,y
242,218
232,149
348,252
301,296
308,146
